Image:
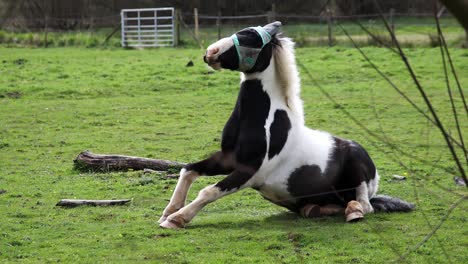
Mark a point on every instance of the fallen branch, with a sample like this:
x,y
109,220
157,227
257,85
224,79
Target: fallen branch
x,y
74,203
87,161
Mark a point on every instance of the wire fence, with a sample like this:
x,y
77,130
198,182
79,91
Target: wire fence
x,y
319,30
200,30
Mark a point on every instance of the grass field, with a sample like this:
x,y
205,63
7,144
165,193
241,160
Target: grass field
x,y
55,103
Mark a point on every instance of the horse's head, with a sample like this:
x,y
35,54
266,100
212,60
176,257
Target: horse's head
x,y
248,50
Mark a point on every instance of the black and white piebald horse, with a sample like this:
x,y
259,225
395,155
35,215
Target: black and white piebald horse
x,y
265,144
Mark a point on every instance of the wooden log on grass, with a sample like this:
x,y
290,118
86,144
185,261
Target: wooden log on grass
x,y
87,161
75,202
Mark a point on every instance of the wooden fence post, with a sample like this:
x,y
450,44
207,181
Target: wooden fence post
x,y
392,23
218,24
271,16
195,16
45,31
177,15
329,22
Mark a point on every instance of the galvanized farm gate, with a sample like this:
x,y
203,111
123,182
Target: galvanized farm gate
x,y
148,27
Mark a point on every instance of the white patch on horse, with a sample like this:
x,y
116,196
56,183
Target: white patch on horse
x,y
304,146
374,185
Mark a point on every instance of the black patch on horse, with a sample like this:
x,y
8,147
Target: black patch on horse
x,y
216,164
244,133
348,166
234,180
354,161
279,130
311,186
231,130
254,106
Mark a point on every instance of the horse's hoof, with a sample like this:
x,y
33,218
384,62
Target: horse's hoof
x,y
354,217
169,225
173,223
354,212
166,213
162,219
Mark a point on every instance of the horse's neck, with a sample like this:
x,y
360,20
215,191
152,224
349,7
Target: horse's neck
x,y
269,81
283,93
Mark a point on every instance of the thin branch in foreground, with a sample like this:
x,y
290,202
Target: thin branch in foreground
x,y
428,223
374,37
394,86
75,202
421,90
394,156
452,67
442,44
437,227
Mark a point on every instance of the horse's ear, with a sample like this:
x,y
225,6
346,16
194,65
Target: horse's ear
x,y
273,28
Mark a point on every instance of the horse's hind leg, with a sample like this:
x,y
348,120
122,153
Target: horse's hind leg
x,y
218,163
313,210
355,210
360,170
362,196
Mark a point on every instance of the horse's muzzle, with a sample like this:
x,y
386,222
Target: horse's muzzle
x,y
210,60
211,56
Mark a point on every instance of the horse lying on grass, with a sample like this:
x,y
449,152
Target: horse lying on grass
x,y
265,144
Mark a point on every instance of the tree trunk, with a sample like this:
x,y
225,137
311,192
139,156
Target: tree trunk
x,y
74,202
87,161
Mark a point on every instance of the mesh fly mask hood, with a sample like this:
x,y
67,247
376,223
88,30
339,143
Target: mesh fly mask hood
x,y
248,55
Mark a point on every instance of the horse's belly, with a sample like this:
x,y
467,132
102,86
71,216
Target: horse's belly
x,y
276,192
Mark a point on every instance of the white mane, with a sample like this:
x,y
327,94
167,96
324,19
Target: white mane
x,y
288,76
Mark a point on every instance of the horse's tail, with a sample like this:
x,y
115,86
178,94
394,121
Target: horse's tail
x,y
384,203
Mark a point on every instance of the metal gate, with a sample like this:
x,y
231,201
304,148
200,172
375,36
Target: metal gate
x,y
148,27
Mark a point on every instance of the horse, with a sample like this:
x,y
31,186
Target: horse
x,y
266,146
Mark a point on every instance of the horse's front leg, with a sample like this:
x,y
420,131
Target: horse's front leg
x,y
218,163
235,181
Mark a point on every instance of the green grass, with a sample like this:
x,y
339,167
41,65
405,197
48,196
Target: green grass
x,y
55,103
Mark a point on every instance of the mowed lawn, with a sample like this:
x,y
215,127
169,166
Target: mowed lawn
x,y
55,103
